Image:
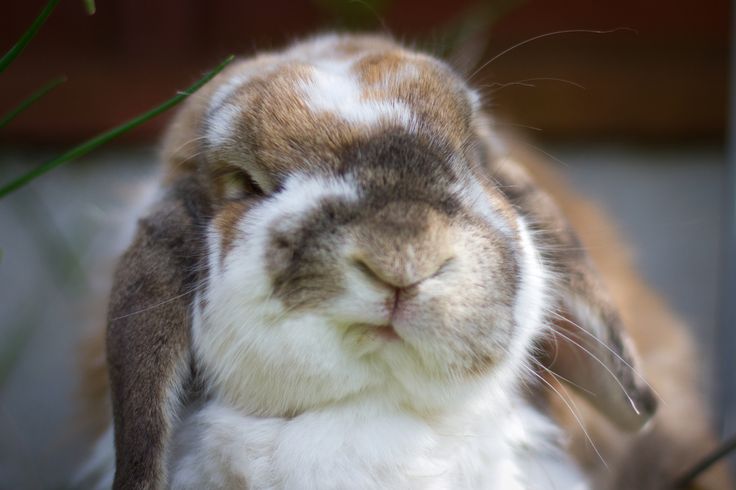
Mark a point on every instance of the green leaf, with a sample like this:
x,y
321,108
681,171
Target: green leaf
x,y
31,100
29,34
90,6
103,138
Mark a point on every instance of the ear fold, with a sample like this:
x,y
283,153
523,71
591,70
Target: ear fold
x,y
588,347
148,334
590,350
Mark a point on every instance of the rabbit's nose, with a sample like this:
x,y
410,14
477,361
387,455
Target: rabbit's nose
x,y
398,272
402,244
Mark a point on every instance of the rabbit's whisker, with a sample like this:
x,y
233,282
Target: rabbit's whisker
x,y
572,406
599,361
559,376
157,305
528,83
542,36
607,347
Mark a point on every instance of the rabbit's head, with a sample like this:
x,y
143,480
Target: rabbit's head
x,y
339,222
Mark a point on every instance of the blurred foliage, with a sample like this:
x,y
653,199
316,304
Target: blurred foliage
x,y
355,14
463,38
105,137
13,53
32,99
470,30
62,259
90,6
96,141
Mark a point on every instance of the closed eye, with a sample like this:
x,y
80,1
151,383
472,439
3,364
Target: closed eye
x,y
238,184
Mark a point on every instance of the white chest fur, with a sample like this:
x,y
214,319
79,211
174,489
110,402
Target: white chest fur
x,y
371,447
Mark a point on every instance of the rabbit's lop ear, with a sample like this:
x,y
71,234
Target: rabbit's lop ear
x,y
148,334
590,350
588,346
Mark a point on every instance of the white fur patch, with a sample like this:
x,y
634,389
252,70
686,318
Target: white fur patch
x,y
333,88
532,300
491,443
221,125
226,90
302,193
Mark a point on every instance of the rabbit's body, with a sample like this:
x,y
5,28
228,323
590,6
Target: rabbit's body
x,y
349,283
487,443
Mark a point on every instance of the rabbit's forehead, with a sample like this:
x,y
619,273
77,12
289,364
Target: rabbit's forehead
x,y
282,113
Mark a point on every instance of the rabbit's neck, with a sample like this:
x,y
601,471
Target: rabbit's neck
x,y
491,444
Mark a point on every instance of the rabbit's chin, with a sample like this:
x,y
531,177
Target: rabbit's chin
x,y
307,363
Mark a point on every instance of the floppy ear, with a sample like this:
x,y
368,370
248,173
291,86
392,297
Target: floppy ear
x,y
148,333
588,346
590,349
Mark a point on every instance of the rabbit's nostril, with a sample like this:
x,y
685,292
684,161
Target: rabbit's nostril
x,y
443,267
374,273
400,274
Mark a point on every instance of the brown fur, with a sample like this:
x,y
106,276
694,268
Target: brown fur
x,y
148,335
225,223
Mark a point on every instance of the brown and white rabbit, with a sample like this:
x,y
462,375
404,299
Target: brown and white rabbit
x,y
348,281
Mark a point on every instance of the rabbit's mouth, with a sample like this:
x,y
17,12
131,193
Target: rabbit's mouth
x,y
372,334
386,332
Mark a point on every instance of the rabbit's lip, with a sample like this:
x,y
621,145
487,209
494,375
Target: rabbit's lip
x,y
387,332
384,331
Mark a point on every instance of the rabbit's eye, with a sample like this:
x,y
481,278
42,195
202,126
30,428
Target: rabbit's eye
x,y
237,184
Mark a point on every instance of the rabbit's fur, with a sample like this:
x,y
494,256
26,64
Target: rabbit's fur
x,y
350,281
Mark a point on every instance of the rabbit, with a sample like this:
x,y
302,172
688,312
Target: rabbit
x,y
352,279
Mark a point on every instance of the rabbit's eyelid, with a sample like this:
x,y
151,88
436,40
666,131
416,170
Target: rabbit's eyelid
x,y
239,184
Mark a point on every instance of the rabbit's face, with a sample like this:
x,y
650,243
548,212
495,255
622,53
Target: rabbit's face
x,y
358,244
366,245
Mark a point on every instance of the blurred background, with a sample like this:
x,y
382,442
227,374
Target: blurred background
x,y
637,119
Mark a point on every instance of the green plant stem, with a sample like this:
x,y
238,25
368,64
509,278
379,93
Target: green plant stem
x,y
103,138
31,100
29,34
